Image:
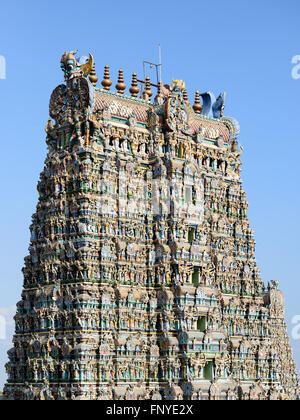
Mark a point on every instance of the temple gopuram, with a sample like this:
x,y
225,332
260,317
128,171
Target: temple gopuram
x,y
141,281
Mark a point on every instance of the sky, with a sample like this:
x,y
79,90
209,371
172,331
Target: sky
x,y
244,48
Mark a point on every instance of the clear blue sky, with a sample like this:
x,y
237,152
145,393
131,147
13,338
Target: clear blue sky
x,y
242,47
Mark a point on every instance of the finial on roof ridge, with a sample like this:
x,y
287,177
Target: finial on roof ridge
x,y
120,86
197,105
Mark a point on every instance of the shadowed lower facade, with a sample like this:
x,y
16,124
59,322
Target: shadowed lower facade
x,y
141,281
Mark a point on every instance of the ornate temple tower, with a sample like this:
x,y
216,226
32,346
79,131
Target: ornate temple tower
x,y
141,281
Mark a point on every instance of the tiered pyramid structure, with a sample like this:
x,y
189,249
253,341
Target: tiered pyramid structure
x,y
141,281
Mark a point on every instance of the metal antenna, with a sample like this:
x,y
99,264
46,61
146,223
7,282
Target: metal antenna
x,y
159,61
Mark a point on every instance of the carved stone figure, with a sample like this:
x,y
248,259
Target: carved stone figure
x,y
141,280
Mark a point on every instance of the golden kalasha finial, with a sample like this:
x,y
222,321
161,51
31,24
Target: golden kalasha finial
x,y
185,96
106,82
197,105
120,86
134,90
159,88
148,93
93,77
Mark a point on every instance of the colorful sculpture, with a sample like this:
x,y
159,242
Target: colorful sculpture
x,y
72,68
141,281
